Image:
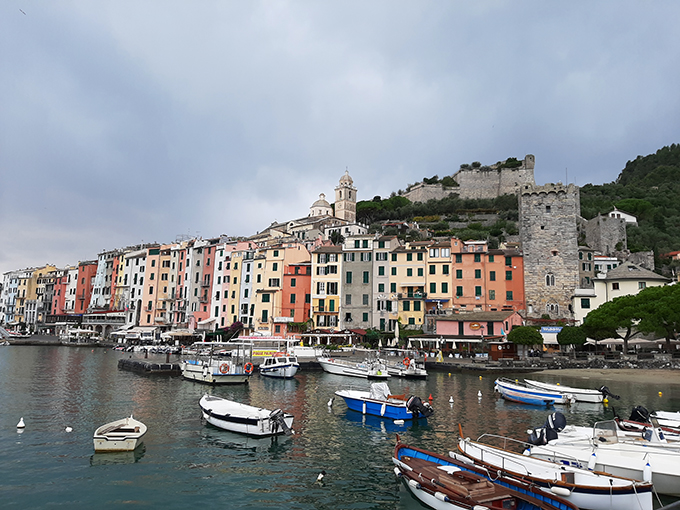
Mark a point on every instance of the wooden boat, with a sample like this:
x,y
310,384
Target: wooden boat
x,y
580,394
368,369
119,436
524,394
281,365
245,419
639,460
444,483
219,363
583,488
380,402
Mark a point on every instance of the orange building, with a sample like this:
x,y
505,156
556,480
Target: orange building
x,y
297,289
86,273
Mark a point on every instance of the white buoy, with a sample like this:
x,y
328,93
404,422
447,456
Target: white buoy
x,y
320,477
330,402
68,429
21,423
451,400
479,394
398,422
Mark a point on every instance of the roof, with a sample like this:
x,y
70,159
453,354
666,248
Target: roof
x,y
478,316
630,271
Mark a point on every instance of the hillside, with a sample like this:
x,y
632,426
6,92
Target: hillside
x,y
648,187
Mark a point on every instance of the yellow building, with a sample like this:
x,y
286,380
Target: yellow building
x,y
327,279
407,272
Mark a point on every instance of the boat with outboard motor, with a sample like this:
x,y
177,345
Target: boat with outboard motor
x,y
579,394
403,363
516,391
379,401
219,363
584,488
245,419
444,483
643,460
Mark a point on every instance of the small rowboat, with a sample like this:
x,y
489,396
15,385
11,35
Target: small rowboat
x,y
580,394
119,436
444,483
519,392
245,419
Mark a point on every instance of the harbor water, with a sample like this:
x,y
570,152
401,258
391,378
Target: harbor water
x,y
185,463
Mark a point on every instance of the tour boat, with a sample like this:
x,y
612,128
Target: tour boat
x,y
245,419
119,436
380,402
444,483
583,488
281,365
219,363
368,369
524,394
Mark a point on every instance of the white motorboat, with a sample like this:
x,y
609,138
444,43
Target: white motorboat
x,y
407,368
584,488
219,363
119,436
368,369
639,460
245,419
580,394
281,365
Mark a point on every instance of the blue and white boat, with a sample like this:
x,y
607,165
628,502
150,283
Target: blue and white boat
x,y
281,366
380,402
516,391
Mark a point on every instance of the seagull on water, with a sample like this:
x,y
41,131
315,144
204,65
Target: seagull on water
x,y
320,477
68,429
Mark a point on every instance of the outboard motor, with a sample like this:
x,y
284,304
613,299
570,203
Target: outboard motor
x,y
418,407
639,414
276,417
554,424
607,394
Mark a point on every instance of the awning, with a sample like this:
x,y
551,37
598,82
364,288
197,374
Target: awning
x,y
206,321
436,300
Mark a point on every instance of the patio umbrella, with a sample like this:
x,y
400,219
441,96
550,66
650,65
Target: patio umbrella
x,y
396,334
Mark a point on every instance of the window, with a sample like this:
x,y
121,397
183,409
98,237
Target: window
x,y
492,295
459,291
381,244
508,261
381,287
366,277
508,275
409,272
275,266
585,303
445,269
459,258
332,288
416,306
356,243
381,256
265,316
492,276
407,306
550,280
508,295
394,257
365,317
411,321
420,271
364,243
393,287
419,256
547,208
445,288
478,257
409,257
348,299
293,281
642,285
276,253
274,282
433,269
491,258
320,287
348,277
265,298
381,270
364,299
615,286
478,273
446,252
393,271
478,290
434,252
459,274
433,288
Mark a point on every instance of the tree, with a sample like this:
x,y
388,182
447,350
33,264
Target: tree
x,y
659,312
610,317
525,335
337,238
570,335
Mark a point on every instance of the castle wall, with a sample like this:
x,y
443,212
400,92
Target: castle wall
x,y
603,234
548,218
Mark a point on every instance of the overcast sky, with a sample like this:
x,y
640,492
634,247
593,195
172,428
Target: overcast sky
x,y
137,121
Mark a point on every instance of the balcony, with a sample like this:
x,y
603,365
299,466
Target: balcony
x,y
412,295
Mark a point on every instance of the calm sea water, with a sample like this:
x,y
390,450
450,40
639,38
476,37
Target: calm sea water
x,y
185,463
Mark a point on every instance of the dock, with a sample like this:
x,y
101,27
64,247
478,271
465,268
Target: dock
x,y
149,368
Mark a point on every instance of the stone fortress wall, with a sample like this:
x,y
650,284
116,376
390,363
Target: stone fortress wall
x,y
484,182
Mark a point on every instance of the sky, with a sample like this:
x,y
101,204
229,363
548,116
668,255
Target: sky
x,y
126,122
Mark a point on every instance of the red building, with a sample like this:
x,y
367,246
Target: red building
x,y
296,298
86,274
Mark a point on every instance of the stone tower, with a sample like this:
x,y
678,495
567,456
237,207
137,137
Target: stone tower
x,y
548,230
346,199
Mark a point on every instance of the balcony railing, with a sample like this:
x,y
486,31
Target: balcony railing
x,y
412,295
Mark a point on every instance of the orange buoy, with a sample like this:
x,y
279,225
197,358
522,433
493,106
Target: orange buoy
x,y
430,397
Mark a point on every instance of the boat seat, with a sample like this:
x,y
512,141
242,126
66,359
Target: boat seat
x,y
397,397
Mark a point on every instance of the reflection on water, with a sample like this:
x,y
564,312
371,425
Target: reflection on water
x,y
102,459
185,463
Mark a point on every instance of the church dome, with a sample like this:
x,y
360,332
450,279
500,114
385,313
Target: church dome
x,y
321,207
321,202
346,179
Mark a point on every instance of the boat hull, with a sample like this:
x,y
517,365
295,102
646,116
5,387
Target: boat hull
x,y
360,401
241,418
333,366
580,394
527,395
287,372
119,436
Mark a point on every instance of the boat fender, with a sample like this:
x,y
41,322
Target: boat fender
x,y
480,507
592,461
441,497
363,410
397,472
647,473
414,484
561,491
248,368
461,458
382,409
224,368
